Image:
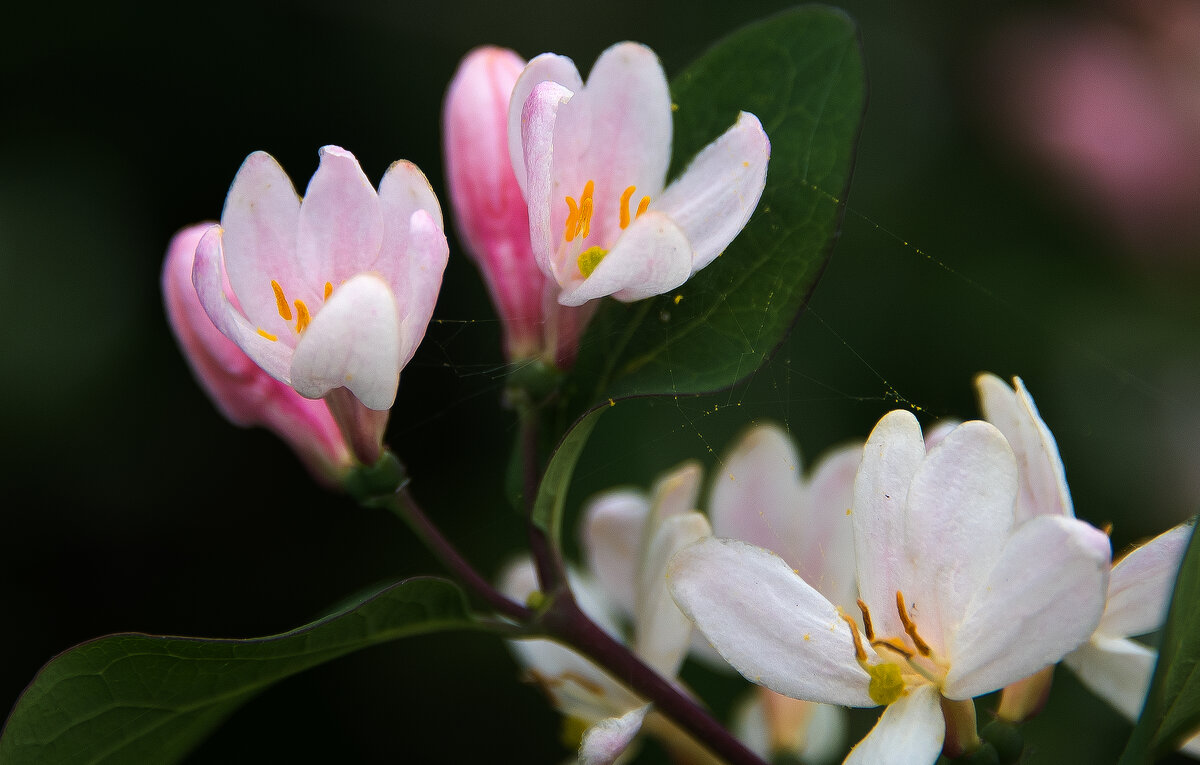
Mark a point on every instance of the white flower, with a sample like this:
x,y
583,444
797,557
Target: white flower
x,y
957,600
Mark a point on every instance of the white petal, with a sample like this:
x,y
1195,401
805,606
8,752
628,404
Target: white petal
x,y
611,538
354,342
1117,670
959,513
403,191
652,257
1042,600
910,730
260,217
663,632
771,626
827,552
273,356
714,198
604,742
340,228
1139,590
1043,479
546,67
541,193
674,493
891,457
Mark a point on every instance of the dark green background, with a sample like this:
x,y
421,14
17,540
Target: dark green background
x,y
130,504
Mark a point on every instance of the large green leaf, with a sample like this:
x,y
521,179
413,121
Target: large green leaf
x,y
151,699
801,73
1172,710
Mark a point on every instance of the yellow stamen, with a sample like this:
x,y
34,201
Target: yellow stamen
x,y
572,219
281,301
267,334
910,627
585,214
642,206
579,215
859,652
302,316
624,207
866,614
589,259
328,290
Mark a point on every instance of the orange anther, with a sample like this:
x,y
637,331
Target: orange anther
x,y
267,334
866,613
302,316
572,227
645,203
624,206
910,627
328,290
281,301
859,652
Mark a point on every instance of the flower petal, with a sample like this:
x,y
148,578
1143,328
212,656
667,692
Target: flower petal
x,y
403,191
1042,600
663,632
959,513
910,730
891,456
604,742
260,218
354,342
827,555
421,271
652,257
715,197
770,724
548,67
538,119
209,281
340,229
629,132
771,626
612,536
1139,590
1043,487
1115,669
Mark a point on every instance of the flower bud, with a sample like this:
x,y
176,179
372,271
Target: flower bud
x,y
241,390
491,214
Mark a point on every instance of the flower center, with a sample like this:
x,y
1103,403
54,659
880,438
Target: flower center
x,y
579,223
915,659
302,315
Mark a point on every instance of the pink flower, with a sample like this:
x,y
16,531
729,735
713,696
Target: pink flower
x,y
331,295
490,213
244,393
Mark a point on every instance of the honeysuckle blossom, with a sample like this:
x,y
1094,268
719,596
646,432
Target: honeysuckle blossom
x,y
241,390
1111,665
620,528
330,295
591,160
761,495
956,599
490,213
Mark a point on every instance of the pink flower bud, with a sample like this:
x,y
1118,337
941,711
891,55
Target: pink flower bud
x,y
491,214
244,393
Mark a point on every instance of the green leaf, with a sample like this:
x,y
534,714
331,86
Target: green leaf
x,y
1172,710
801,73
556,481
151,699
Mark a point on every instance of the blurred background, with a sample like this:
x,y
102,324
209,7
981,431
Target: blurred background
x,y
1026,201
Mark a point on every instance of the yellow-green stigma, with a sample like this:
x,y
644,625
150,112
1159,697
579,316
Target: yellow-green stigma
x,y
589,259
886,683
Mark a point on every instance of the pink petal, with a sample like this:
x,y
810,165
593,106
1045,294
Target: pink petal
x,y
714,198
273,357
1041,601
1117,670
612,536
340,228
652,257
260,218
354,342
421,272
827,556
547,67
910,730
768,623
403,191
537,138
605,741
